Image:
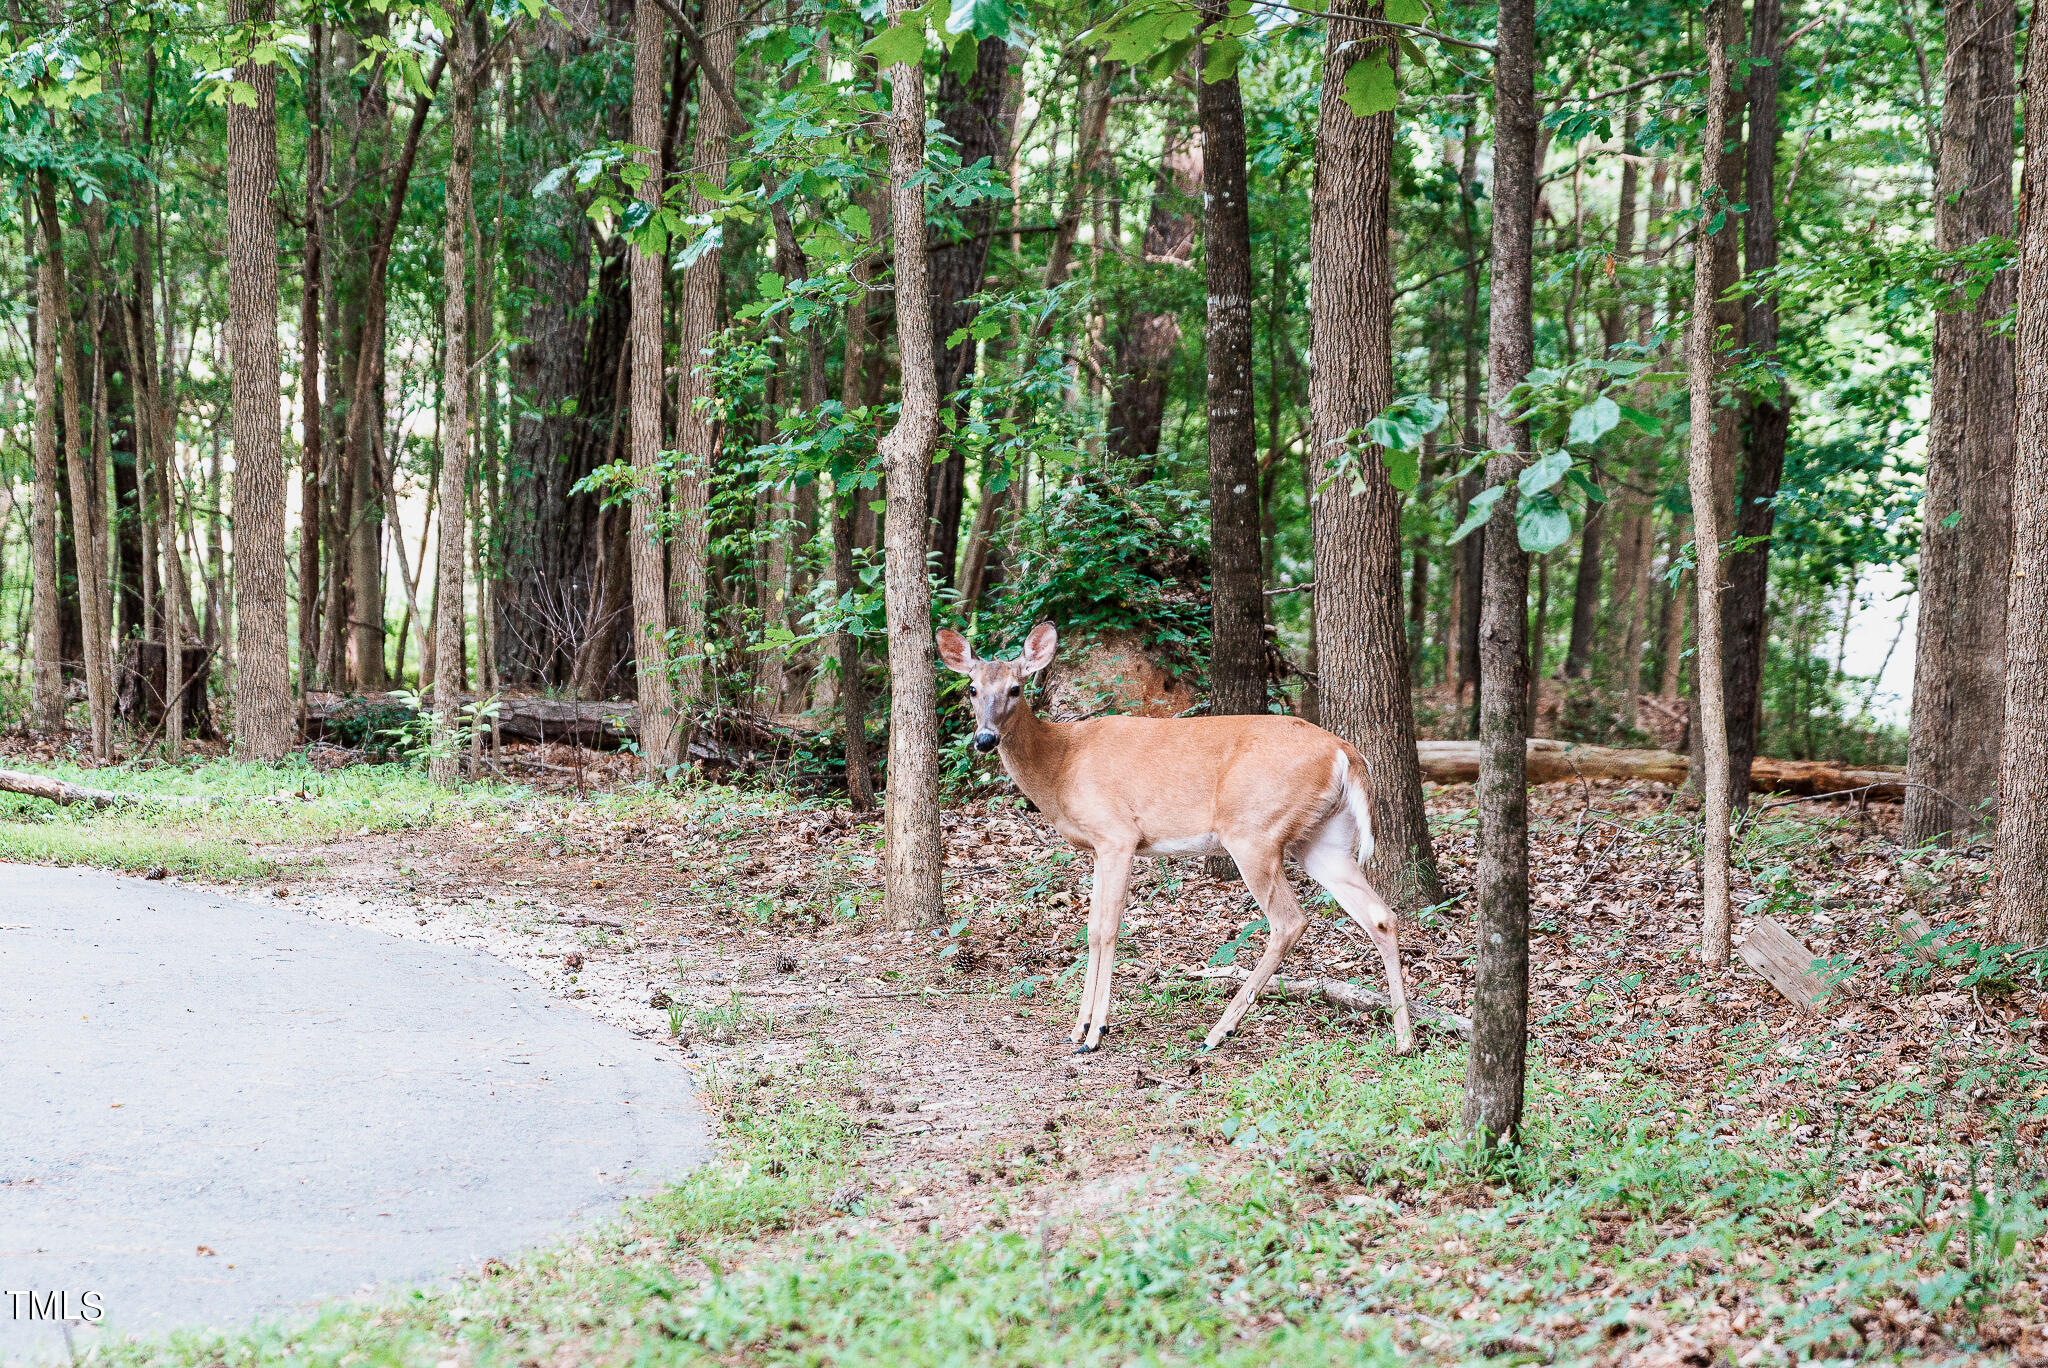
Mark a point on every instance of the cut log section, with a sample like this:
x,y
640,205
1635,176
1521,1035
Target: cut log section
x,y
1338,993
1784,962
1550,762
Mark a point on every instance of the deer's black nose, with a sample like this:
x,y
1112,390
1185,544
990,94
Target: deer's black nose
x,y
986,741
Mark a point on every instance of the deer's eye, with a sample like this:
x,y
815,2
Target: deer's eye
x,y
1016,689
972,691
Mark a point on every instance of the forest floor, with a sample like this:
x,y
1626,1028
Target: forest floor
x,y
916,1170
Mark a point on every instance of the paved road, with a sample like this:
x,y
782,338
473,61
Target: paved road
x,y
214,1109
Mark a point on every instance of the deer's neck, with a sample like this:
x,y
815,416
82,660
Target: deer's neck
x,y
1034,753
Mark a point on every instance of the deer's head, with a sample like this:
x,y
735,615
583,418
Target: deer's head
x,y
995,688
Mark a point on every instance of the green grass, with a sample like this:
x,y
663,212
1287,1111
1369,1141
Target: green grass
x,y
251,806
1341,1201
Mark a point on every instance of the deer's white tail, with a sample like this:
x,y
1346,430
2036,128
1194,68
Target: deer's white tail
x,y
1353,787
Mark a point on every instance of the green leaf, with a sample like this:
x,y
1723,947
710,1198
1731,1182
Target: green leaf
x,y
1547,471
1369,85
1476,514
1643,421
1224,56
856,220
1404,468
1406,12
982,18
1405,422
1541,524
1594,421
901,44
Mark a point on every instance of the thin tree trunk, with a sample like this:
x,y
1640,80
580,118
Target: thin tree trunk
x,y
1703,365
1237,656
1500,988
697,428
660,740
1765,431
309,357
1966,535
1361,636
450,618
263,705
47,697
2020,895
915,852
88,535
853,712
1471,553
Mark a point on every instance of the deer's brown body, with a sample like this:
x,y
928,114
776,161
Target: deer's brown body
x,y
1261,788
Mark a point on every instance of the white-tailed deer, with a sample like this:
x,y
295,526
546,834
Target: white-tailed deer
x,y
1261,788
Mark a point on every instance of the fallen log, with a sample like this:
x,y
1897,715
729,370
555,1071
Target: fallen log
x,y
61,791
1457,762
1338,993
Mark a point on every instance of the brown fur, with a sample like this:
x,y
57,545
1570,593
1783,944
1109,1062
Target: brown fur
x,y
1261,788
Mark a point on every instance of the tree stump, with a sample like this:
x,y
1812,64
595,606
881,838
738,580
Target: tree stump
x,y
143,689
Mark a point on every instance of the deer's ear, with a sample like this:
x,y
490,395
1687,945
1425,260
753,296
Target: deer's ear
x,y
954,650
1039,648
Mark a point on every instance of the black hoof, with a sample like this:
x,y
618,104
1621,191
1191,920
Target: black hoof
x,y
1087,1049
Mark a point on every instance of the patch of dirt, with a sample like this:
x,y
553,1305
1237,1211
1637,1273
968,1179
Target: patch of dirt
x,y
756,930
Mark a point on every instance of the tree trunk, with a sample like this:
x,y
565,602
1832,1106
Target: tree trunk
x,y
88,523
47,698
853,710
1578,649
697,429
1471,552
263,704
1150,341
1703,366
309,359
2020,895
659,736
450,619
976,115
1237,659
1966,518
1765,430
915,853
1500,985
1361,636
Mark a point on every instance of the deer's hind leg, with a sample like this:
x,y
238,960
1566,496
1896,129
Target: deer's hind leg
x,y
1105,917
1328,860
1265,873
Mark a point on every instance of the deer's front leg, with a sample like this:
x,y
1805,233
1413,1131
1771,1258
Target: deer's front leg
x,y
1105,915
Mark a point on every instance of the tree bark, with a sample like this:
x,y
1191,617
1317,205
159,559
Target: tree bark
x,y
450,617
263,705
1237,657
1768,420
88,522
697,428
853,699
1361,635
309,358
2020,894
1500,988
660,744
1966,519
47,690
914,851
1471,552
1703,366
